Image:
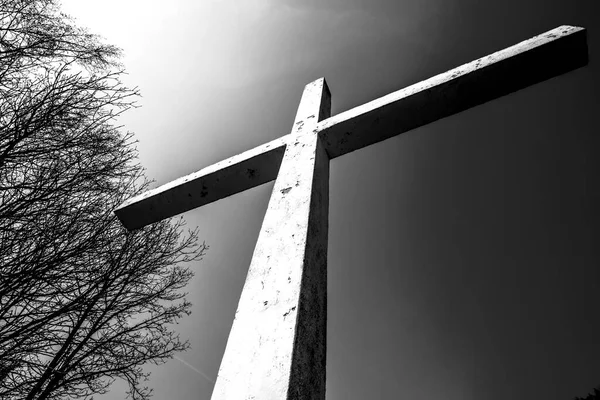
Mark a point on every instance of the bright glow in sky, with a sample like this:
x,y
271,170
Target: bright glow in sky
x,y
462,256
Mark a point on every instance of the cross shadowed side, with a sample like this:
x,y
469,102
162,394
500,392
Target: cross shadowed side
x,y
276,348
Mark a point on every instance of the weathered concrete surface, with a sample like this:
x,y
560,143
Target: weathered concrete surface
x,y
276,348
542,57
233,175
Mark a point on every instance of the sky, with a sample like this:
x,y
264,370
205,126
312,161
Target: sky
x,y
463,255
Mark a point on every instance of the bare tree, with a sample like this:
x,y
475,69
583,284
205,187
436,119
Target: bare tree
x,y
82,301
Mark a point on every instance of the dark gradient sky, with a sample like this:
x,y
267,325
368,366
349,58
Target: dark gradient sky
x,y
463,256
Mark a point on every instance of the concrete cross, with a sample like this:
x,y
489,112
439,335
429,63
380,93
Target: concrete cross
x,y
276,348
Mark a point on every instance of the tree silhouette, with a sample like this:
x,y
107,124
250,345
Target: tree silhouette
x,y
82,301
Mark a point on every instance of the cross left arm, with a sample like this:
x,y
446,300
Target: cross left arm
x,y
233,175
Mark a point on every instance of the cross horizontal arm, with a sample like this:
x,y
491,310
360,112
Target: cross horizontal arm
x,y
233,175
537,59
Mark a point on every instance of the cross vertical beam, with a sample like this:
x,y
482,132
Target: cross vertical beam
x,y
276,348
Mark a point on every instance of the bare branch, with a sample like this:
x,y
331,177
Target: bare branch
x,y
82,301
